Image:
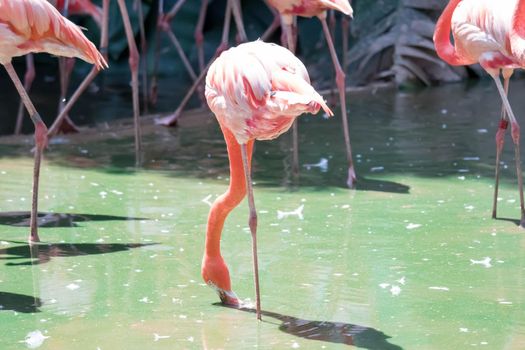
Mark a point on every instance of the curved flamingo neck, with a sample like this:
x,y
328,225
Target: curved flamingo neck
x,y
225,203
444,48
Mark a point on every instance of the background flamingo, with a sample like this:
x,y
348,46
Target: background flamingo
x,y
288,9
491,34
256,90
36,26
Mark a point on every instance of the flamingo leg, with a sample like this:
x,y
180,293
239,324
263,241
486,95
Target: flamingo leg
x,y
29,77
104,38
515,132
41,143
500,141
199,37
143,55
133,65
253,226
288,23
237,15
340,79
276,23
171,120
345,27
153,94
181,53
65,67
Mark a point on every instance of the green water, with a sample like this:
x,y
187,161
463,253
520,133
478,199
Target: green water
x,y
409,260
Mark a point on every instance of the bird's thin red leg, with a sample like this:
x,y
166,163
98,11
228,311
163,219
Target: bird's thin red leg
x,y
163,23
104,38
287,24
345,28
340,79
515,132
199,37
143,55
174,10
40,142
29,77
500,141
237,15
133,65
276,23
253,226
181,53
65,66
171,120
153,94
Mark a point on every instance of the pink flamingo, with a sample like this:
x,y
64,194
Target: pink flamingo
x,y
256,90
288,10
492,34
36,26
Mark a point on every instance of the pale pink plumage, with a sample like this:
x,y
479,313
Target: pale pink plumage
x,y
310,8
36,26
80,7
257,90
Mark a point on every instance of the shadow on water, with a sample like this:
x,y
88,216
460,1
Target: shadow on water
x,y
514,221
22,218
364,184
19,303
43,253
330,332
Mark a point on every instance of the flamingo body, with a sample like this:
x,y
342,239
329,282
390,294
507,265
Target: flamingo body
x,y
36,26
310,8
261,98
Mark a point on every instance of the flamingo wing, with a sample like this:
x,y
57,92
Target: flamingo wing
x,y
36,26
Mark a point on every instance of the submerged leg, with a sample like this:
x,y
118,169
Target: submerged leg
x,y
133,65
40,142
340,79
500,140
29,77
515,132
253,226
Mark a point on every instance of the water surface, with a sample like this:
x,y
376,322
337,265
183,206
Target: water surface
x,y
409,260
